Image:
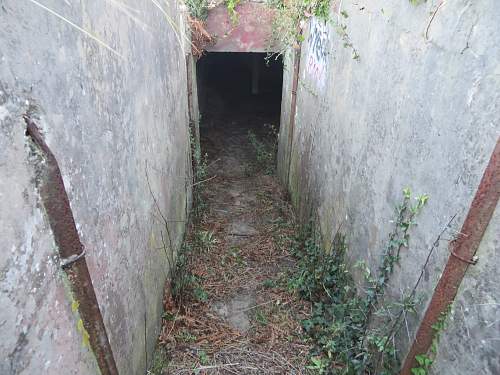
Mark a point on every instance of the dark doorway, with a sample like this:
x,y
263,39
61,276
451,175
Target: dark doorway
x,y
239,89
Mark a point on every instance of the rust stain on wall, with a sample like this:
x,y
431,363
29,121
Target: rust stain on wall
x,y
250,31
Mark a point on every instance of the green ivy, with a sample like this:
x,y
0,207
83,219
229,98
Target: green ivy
x,y
197,9
231,8
290,16
339,321
425,360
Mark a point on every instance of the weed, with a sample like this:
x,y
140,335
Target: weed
x,y
286,31
197,9
234,252
199,293
281,232
341,30
248,171
206,240
318,364
291,16
186,336
233,256
398,239
160,361
181,277
336,324
426,360
168,316
265,151
339,321
202,355
231,8
424,365
200,173
260,317
189,285
269,283
184,283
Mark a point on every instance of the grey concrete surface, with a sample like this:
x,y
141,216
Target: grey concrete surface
x,y
236,311
470,343
418,109
110,110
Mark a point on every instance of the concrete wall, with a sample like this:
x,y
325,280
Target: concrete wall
x,y
419,108
470,343
109,114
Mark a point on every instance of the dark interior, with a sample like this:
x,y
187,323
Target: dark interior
x,y
242,89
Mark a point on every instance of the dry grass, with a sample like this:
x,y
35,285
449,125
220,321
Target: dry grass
x,y
200,38
198,340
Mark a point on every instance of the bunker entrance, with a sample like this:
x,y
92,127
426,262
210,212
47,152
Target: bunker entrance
x,y
240,90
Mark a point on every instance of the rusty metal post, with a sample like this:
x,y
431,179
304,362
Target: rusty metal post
x,y
293,109
462,252
71,252
192,109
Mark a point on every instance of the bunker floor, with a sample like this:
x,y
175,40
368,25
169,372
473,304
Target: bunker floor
x,y
237,315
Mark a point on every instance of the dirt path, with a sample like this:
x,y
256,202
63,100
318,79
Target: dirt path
x,y
238,316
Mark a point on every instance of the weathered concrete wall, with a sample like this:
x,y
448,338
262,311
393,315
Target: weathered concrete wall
x,y
109,114
419,108
470,342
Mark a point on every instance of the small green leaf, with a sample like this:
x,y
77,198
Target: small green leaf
x,y
407,193
75,305
418,371
420,358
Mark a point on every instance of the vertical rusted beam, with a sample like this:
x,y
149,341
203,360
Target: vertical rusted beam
x,y
293,108
462,252
193,118
71,252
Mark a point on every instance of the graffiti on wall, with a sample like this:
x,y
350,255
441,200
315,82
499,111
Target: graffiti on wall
x,y
318,52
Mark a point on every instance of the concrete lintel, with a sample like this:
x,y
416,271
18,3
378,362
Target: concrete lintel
x,y
249,31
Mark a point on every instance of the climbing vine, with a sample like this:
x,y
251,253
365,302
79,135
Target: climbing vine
x,y
292,15
426,360
231,8
398,239
339,324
